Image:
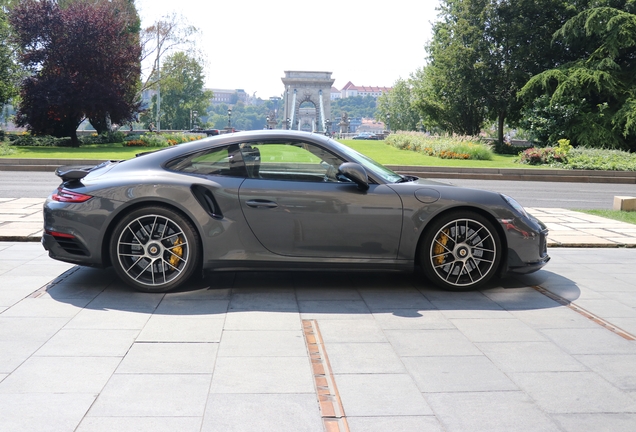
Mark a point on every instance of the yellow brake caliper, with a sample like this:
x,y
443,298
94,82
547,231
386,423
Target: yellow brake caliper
x,y
177,251
438,248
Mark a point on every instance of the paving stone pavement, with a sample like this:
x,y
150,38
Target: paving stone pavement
x,y
79,351
21,220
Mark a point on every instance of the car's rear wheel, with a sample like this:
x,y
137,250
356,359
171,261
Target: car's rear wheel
x,y
154,249
460,251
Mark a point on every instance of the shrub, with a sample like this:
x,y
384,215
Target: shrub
x,y
5,150
160,140
601,159
105,138
40,141
455,147
541,156
564,156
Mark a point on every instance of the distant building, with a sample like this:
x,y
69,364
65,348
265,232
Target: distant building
x,y
228,96
335,93
370,125
350,90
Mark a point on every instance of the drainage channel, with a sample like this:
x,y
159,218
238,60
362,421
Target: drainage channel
x,y
587,314
331,410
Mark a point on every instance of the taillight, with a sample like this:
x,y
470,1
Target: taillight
x,y
65,195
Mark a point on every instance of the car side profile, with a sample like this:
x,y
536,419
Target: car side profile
x,y
275,199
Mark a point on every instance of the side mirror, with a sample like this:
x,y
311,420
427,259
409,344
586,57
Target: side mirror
x,y
356,173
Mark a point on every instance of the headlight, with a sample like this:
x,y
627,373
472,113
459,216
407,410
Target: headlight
x,y
515,205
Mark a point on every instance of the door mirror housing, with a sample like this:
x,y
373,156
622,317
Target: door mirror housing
x,y
356,173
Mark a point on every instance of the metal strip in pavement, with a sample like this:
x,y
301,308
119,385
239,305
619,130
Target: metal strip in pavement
x,y
331,410
587,314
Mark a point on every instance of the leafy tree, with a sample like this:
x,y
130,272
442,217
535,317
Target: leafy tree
x,y
244,117
398,104
482,52
161,38
182,90
83,61
355,106
599,86
9,70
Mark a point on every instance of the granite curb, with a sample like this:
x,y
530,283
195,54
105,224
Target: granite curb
x,y
518,174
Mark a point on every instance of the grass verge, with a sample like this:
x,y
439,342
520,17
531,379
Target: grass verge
x,y
377,150
622,216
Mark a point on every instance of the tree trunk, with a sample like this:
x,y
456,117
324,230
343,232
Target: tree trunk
x,y
500,127
74,141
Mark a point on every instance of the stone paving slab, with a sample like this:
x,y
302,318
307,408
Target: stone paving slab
x,y
79,351
569,228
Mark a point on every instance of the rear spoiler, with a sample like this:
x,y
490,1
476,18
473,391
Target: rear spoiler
x,y
78,172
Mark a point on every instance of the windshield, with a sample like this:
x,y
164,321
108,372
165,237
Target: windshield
x,y
369,164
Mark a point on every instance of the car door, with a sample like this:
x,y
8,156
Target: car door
x,y
296,205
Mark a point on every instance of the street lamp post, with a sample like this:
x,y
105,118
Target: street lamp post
x,y
288,122
229,118
193,119
388,126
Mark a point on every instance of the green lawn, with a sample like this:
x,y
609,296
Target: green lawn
x,y
90,151
389,155
377,150
623,216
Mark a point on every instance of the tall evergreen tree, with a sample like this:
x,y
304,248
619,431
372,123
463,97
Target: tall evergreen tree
x,y
599,87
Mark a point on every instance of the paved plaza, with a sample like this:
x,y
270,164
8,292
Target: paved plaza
x,y
552,351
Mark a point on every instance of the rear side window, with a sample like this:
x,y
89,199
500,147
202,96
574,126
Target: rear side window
x,y
220,161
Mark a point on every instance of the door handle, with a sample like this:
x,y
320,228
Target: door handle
x,y
261,203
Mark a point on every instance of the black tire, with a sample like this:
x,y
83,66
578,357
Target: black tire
x,y
154,249
460,251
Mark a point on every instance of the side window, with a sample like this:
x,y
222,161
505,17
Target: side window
x,y
223,161
292,161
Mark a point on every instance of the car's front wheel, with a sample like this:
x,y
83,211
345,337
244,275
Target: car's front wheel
x,y
154,249
460,251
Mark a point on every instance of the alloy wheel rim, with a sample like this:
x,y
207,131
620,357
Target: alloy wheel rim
x,y
153,250
463,252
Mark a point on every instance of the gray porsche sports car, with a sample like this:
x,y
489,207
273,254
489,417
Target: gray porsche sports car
x,y
278,199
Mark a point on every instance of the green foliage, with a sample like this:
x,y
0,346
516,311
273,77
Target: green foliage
x,y
601,159
9,70
103,138
5,150
442,147
545,122
244,117
482,52
564,156
40,141
355,106
599,86
396,108
181,92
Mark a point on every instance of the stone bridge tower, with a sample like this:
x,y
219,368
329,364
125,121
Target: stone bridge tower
x,y
307,100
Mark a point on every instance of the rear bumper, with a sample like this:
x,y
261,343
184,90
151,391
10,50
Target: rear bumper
x,y
67,250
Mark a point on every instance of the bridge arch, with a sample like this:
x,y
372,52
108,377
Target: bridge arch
x,y
307,88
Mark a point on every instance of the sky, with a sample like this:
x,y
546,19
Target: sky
x,y
249,44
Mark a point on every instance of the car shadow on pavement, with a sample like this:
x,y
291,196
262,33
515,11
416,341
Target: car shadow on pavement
x,y
314,294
